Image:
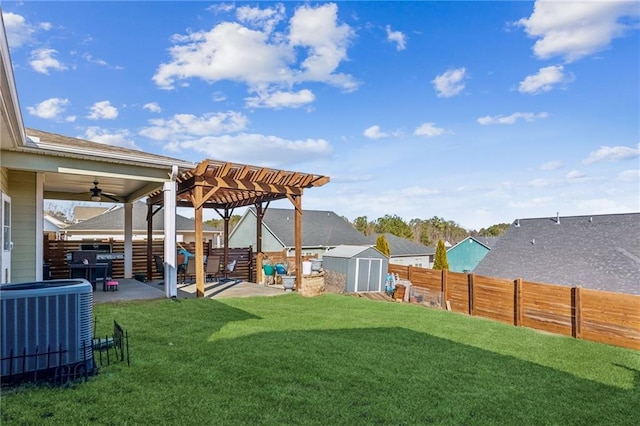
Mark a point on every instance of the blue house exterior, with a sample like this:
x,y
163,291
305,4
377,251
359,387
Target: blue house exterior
x,y
465,256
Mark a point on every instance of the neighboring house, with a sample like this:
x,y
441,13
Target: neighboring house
x,y
52,227
600,252
465,256
110,225
82,213
321,230
406,252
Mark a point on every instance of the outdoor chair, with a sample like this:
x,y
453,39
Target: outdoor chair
x,y
190,271
229,269
212,271
159,262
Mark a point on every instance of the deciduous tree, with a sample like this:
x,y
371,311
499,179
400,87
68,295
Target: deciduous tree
x,y
393,225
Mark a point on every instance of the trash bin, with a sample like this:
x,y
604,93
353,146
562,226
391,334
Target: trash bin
x,y
306,268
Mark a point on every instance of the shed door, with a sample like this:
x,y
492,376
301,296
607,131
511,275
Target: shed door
x,y
368,274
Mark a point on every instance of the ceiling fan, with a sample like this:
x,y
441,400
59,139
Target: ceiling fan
x,y
97,194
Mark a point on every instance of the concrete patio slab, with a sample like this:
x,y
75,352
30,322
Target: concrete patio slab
x,y
130,289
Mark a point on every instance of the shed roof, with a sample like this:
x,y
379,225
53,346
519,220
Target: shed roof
x,y
348,251
600,252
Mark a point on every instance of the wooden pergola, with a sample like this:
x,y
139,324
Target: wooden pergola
x,y
224,186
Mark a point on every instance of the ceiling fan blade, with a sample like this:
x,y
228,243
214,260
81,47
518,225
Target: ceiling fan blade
x,y
111,197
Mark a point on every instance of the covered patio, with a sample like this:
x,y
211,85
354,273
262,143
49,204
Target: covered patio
x,y
223,187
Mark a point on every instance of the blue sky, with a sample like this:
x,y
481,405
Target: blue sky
x,y
477,112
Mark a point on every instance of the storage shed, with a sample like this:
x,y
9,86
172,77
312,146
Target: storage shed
x,y
354,269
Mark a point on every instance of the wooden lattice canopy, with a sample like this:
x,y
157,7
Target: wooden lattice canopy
x,y
229,185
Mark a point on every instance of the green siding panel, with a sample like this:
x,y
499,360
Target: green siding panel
x,y
22,190
465,256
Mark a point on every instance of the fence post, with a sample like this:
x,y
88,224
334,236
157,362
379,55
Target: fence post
x,y
576,308
443,284
409,272
470,278
517,302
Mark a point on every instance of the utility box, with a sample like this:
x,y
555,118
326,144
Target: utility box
x,y
351,269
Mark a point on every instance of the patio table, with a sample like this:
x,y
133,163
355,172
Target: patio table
x,y
90,272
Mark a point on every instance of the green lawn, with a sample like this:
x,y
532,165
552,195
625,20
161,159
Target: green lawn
x,y
336,360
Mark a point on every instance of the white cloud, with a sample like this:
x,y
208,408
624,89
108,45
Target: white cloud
x,y
396,37
450,83
229,51
18,31
117,138
280,99
551,165
544,81
103,111
576,176
52,108
266,18
612,153
152,107
265,60
575,29
428,130
629,176
185,126
374,132
317,30
268,151
42,61
511,119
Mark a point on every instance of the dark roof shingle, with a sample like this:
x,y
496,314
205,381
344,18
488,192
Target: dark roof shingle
x,y
114,220
599,252
320,228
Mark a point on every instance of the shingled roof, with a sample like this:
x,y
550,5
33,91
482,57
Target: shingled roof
x,y
320,228
114,220
600,252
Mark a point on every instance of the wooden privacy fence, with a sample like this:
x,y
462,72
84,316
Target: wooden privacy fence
x,y
599,316
55,252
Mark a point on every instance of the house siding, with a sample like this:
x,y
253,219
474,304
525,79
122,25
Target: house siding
x,y
4,179
417,261
22,191
465,256
244,235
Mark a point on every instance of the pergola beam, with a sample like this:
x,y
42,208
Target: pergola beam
x,y
225,186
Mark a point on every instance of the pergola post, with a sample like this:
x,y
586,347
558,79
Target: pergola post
x,y
199,255
297,224
149,241
259,254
